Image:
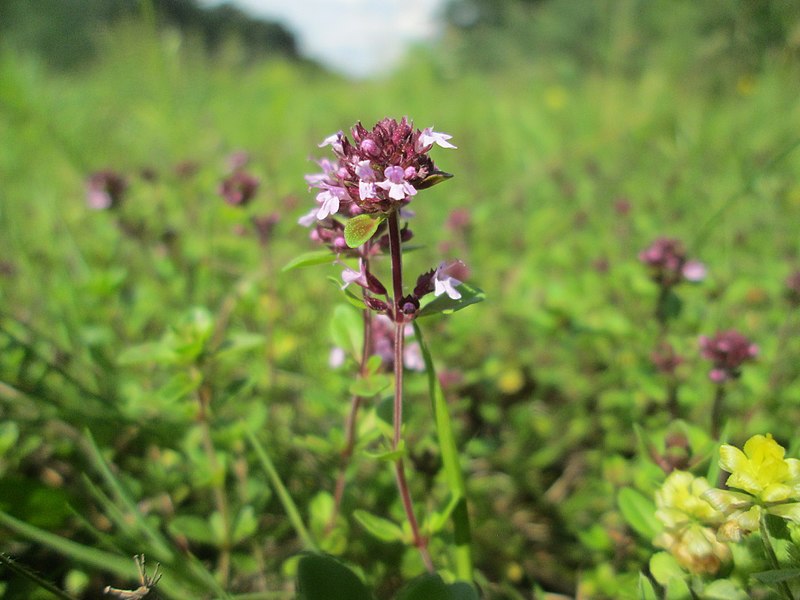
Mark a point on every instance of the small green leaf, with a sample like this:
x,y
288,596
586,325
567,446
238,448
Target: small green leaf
x,y
193,528
370,386
388,455
461,590
309,259
322,577
360,228
445,304
347,330
777,575
665,568
381,528
725,589
646,589
427,587
433,179
639,512
438,519
246,525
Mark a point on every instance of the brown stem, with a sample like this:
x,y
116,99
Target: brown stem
x,y
420,541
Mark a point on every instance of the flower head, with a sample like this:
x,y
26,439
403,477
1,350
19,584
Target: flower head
x,y
765,480
727,350
379,171
668,263
690,523
105,189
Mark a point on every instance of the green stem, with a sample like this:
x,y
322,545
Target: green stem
x,y
783,587
716,411
452,467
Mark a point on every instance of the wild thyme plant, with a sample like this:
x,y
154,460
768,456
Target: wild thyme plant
x,y
361,213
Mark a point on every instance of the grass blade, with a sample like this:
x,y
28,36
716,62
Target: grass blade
x,y
283,494
452,467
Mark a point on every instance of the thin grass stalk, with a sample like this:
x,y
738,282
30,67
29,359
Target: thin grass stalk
x,y
283,494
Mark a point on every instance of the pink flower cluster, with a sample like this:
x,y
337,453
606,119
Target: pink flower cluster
x,y
727,350
378,172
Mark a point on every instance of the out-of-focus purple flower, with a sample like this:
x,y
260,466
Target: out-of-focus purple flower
x,y
727,350
239,188
622,206
383,345
186,169
665,359
459,220
793,288
668,264
264,225
238,160
105,189
379,171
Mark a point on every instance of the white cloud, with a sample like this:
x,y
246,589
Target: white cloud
x,y
355,37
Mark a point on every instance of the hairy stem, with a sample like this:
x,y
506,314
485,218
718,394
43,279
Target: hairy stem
x,y
399,326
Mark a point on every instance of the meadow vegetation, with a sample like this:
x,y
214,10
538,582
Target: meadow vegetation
x,y
166,386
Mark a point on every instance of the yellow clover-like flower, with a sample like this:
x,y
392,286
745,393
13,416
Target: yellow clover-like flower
x,y
690,524
761,470
768,482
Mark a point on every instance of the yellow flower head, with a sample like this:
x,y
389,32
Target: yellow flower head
x,y
761,470
686,516
768,482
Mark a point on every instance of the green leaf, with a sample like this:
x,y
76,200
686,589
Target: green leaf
x,y
438,519
322,577
388,455
777,575
665,568
646,589
725,589
360,228
193,528
427,587
371,385
445,304
461,590
241,342
347,330
639,512
309,259
378,527
246,525
433,179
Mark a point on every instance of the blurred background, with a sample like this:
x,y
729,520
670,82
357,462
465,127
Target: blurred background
x,y
585,130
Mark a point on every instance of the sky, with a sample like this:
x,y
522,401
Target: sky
x,y
358,38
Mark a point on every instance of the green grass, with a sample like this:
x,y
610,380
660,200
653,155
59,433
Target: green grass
x,y
553,368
